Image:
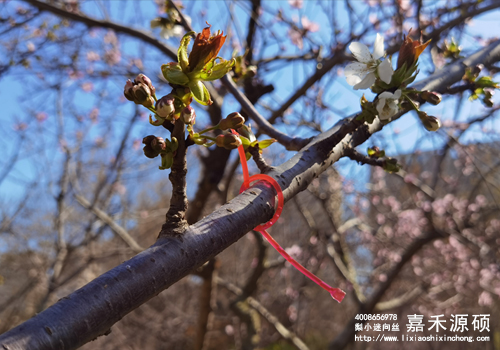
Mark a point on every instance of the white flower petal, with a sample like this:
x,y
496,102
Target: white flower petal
x,y
397,94
360,52
380,106
385,94
367,82
356,68
353,79
385,71
378,48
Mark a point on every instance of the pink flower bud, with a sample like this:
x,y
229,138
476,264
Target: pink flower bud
x,y
129,95
143,79
188,115
229,141
165,106
432,97
232,121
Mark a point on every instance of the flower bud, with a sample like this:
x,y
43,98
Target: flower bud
x,y
488,102
143,79
232,121
431,123
165,106
410,51
488,92
129,95
228,141
158,144
188,115
422,115
142,95
432,97
148,149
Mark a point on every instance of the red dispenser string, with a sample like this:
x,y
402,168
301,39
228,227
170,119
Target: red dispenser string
x,y
336,293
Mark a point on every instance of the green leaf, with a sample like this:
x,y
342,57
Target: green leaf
x,y
248,155
486,81
391,165
266,143
167,159
173,73
200,92
245,141
182,55
174,144
213,71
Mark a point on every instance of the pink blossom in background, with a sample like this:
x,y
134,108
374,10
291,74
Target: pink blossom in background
x,y
138,63
20,126
292,313
229,330
74,75
119,188
372,3
93,56
39,32
110,38
382,277
30,46
481,200
291,293
296,3
94,114
136,145
112,56
87,86
485,299
41,117
380,219
308,25
99,141
296,38
294,251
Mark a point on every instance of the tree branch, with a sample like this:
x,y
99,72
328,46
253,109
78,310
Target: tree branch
x,y
176,216
91,22
290,143
120,231
282,330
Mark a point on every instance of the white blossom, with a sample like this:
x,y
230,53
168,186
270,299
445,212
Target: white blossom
x,y
361,74
387,105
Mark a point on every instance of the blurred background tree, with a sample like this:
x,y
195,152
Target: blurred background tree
x,y
79,197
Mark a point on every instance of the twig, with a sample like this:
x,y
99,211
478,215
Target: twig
x,y
291,143
282,330
176,216
119,230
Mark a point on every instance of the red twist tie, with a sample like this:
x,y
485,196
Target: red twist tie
x,y
336,293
